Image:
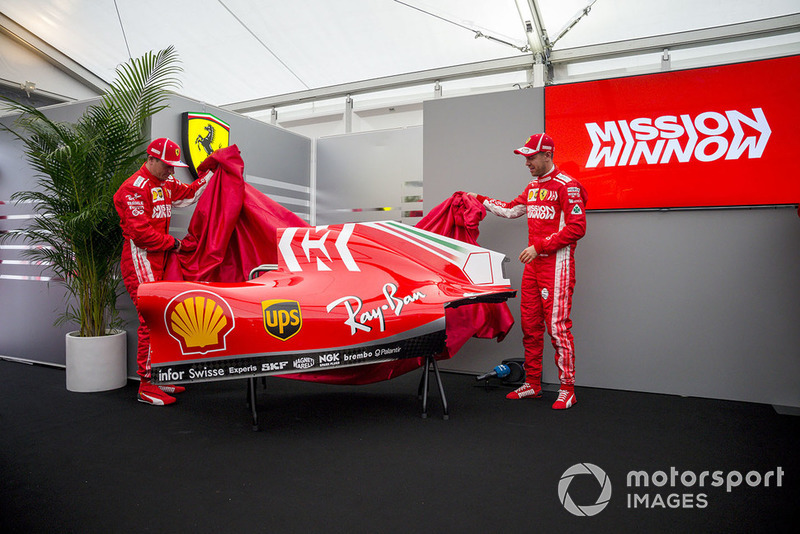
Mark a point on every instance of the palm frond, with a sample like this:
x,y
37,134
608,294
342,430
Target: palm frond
x,y
79,166
142,85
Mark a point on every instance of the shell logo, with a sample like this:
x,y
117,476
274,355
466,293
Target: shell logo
x,y
199,321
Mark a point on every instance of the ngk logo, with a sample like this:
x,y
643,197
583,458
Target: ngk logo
x,y
706,137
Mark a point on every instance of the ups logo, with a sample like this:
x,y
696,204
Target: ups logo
x,y
282,318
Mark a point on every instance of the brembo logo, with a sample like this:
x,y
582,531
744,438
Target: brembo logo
x,y
705,137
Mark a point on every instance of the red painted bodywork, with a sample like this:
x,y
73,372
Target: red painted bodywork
x,y
343,295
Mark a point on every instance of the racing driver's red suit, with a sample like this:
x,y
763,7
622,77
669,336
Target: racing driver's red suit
x,y
144,204
555,205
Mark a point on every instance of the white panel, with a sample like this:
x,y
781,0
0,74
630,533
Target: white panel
x,y
699,303
369,176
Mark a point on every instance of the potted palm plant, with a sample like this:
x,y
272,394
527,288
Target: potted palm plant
x,y
79,166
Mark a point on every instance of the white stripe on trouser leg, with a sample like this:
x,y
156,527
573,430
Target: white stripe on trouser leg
x,y
148,368
561,276
144,272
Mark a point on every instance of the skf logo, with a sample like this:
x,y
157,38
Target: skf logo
x,y
202,135
158,194
199,321
707,137
282,318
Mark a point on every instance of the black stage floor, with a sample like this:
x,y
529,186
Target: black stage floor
x,y
355,459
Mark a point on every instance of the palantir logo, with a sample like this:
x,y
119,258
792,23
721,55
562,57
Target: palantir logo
x,y
584,469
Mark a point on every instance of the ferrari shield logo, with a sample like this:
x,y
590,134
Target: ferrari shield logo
x,y
202,135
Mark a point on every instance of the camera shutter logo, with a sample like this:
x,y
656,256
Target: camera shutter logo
x,y
584,469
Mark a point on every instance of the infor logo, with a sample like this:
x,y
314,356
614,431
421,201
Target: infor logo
x,y
584,469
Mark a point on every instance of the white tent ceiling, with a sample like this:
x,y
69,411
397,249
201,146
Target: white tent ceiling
x,y
239,50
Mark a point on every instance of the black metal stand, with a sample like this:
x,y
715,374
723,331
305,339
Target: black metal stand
x,y
422,391
251,401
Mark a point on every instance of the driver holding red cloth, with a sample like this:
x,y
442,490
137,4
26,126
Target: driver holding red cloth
x,y
144,203
555,206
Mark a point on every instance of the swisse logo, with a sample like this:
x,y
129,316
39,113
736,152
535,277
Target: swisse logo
x,y
706,137
282,318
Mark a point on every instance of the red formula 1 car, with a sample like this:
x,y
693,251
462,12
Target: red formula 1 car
x,y
345,295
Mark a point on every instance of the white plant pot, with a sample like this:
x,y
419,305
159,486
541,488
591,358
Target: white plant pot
x,y
97,363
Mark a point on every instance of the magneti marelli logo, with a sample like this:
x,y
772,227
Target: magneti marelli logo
x,y
590,509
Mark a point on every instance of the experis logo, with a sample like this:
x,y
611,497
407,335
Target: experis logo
x,y
705,137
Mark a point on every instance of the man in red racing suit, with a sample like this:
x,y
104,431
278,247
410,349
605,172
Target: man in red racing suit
x,y
144,203
555,207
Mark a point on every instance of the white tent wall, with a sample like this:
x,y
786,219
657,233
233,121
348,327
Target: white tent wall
x,y
20,65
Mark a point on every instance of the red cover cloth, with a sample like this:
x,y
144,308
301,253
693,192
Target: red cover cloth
x,y
458,217
232,216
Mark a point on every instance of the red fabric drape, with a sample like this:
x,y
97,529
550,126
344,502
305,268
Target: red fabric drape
x,y
458,217
233,228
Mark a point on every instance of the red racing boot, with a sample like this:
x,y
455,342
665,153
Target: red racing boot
x,y
171,389
152,394
526,390
566,398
